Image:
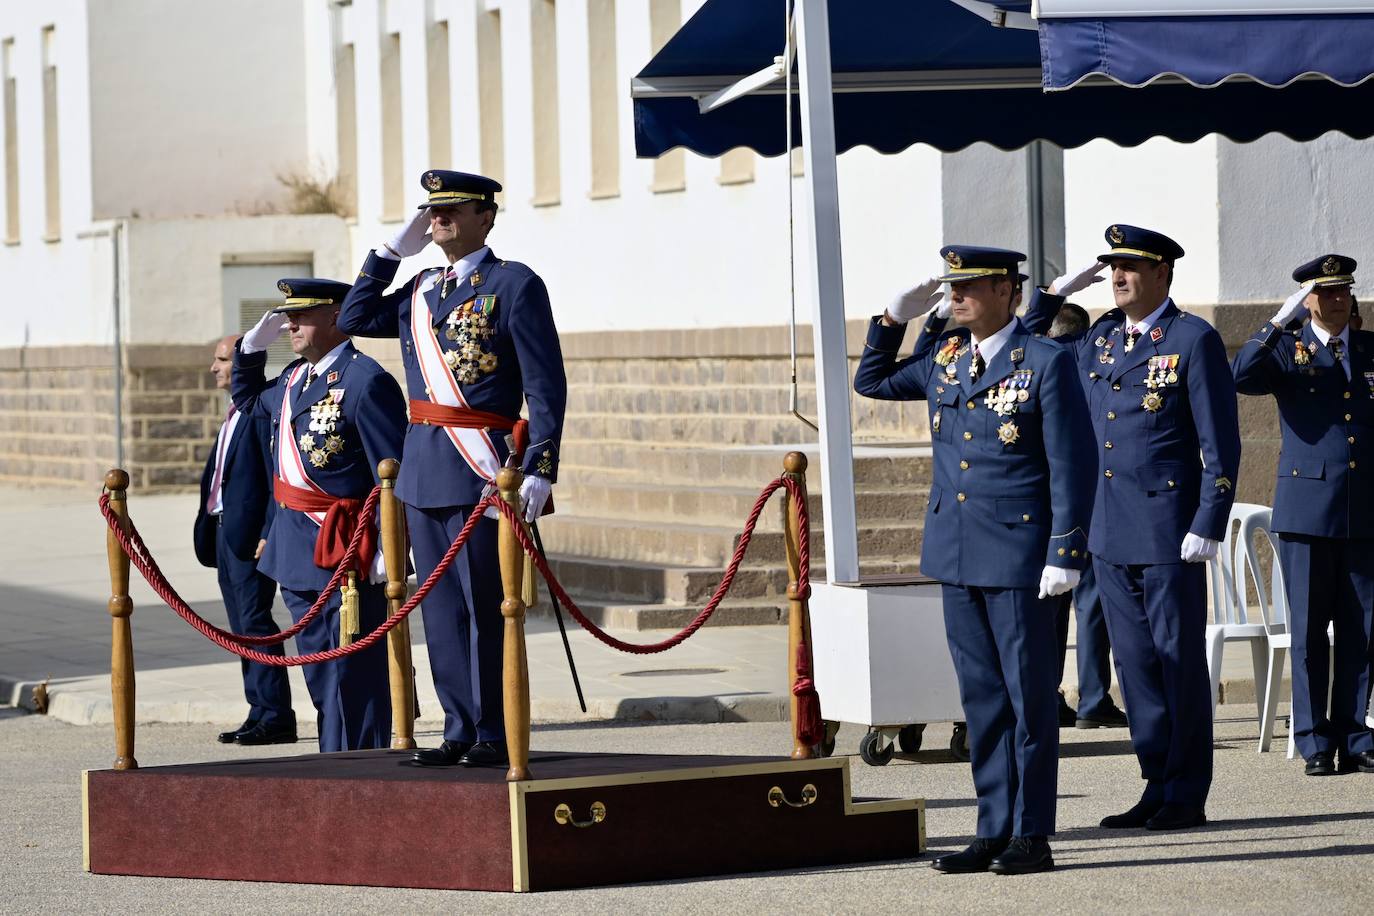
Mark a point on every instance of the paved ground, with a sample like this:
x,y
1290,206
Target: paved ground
x,y
1277,842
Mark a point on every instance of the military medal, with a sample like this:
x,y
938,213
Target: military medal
x,y
468,326
1301,356
1152,402
935,421
1007,433
946,355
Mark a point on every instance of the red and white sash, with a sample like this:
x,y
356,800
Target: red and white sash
x,y
289,463
474,445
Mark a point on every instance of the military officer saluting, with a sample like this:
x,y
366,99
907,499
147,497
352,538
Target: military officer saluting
x,y
1005,531
478,341
1163,406
337,414
1323,380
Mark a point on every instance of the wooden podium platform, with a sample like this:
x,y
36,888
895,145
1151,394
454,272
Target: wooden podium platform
x,y
371,818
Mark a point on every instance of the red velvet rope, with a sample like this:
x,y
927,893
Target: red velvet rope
x,y
226,640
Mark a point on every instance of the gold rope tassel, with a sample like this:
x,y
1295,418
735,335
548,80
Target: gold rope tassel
x,y
350,626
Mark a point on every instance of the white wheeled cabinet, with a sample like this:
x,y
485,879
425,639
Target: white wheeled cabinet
x,y
881,660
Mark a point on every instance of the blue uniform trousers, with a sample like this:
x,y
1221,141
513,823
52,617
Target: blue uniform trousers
x,y
1157,618
248,596
352,695
463,624
1093,649
1329,581
1002,643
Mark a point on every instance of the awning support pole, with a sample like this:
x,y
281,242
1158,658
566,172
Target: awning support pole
x,y
826,290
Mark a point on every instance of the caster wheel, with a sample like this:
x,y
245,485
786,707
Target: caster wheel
x,y
958,743
832,730
873,751
909,738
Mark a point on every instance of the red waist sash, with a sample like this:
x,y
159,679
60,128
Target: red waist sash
x,y
427,413
336,531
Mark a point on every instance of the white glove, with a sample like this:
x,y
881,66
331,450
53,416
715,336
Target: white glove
x,y
261,335
412,238
944,306
534,493
1056,581
1197,550
914,301
1292,306
1079,280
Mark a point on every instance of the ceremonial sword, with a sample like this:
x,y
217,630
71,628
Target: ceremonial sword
x,y
557,608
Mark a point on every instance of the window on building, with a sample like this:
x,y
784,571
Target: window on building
x,y
670,169
393,166
11,142
544,52
737,167
440,121
605,98
489,110
346,117
52,171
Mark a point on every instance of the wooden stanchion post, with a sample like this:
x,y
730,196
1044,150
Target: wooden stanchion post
x,y
515,672
798,617
400,666
122,642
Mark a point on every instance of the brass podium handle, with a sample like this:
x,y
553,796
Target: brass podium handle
x,y
777,798
563,814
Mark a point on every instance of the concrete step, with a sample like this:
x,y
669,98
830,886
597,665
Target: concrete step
x,y
703,545
725,506
612,461
610,614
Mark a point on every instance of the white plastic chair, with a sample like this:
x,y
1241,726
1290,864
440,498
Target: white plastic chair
x,y
1230,616
1274,613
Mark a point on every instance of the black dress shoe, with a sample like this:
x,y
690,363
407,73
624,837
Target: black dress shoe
x,y
1177,817
1024,855
976,858
1322,763
1066,714
486,754
231,736
1137,816
1112,717
263,733
1362,761
445,755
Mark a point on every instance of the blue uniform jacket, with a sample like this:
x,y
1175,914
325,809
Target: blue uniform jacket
x,y
529,368
1000,511
245,491
370,426
1326,466
1161,473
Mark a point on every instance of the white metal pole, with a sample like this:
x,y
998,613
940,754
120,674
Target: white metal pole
x,y
826,289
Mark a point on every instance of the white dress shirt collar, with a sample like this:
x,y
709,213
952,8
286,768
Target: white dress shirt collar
x,y
994,343
468,263
1144,324
1325,337
328,359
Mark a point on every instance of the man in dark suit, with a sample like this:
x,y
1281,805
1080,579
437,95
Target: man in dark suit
x,y
1322,377
1163,405
232,522
478,341
1006,530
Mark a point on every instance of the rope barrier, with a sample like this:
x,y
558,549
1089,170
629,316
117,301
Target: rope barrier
x,y
137,551
132,544
226,640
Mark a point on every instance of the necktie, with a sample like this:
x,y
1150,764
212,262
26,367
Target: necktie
x,y
450,277
1337,348
309,377
1131,337
221,448
977,367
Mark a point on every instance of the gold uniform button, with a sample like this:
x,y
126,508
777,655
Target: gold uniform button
x,y
1090,375
1171,483
969,405
963,465
1352,464
1061,551
1295,472
1025,518
968,436
1073,553
1111,415
1116,387
1347,395
1347,418
1350,439
1106,445
1107,473
961,497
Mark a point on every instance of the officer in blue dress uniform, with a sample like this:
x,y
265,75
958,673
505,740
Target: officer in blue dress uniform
x,y
1005,532
1163,406
337,415
1323,379
478,341
232,522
